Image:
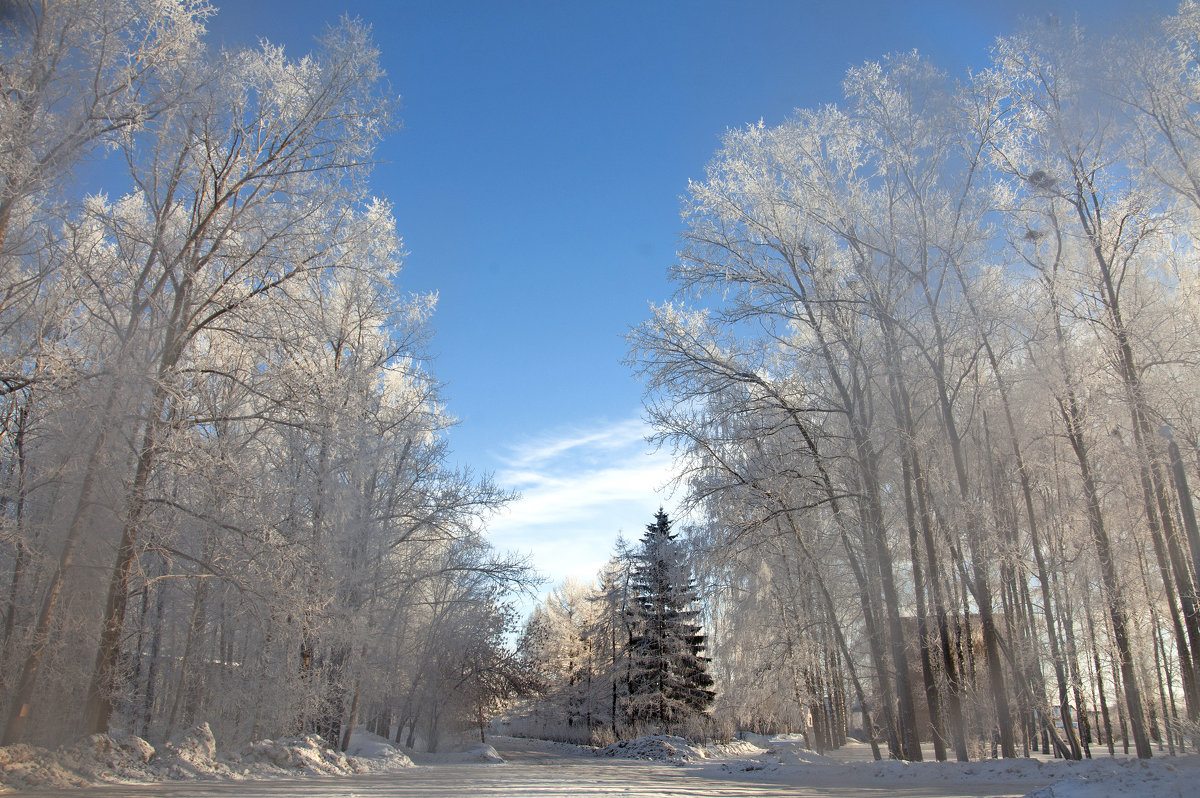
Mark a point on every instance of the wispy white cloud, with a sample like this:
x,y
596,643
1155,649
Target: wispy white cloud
x,y
597,438
580,487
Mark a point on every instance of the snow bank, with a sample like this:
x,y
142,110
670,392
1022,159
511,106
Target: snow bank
x,y
768,740
787,761
306,755
371,746
733,748
190,756
471,752
795,752
668,748
1162,778
23,766
193,755
657,747
478,753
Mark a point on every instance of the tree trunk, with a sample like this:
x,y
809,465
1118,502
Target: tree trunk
x,y
909,736
1099,673
830,608
909,464
147,713
1108,573
22,697
1076,681
106,678
978,582
1056,655
183,705
20,466
344,742
1157,504
1186,510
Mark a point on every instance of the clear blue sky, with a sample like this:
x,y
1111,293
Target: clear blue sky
x,y
536,183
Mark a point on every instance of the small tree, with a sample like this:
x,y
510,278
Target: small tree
x,y
669,682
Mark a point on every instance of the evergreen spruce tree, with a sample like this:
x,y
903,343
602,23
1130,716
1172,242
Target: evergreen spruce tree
x,y
668,678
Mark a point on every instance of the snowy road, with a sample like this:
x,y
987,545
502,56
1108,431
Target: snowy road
x,y
540,771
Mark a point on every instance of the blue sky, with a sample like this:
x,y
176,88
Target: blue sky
x,y
536,182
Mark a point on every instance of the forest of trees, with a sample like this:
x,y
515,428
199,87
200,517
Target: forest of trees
x,y
932,378
621,657
224,485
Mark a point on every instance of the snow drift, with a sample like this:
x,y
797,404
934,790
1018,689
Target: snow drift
x,y
193,755
657,747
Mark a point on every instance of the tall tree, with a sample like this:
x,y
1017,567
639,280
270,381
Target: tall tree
x,y
669,682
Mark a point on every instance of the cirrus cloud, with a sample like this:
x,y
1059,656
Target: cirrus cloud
x,y
580,488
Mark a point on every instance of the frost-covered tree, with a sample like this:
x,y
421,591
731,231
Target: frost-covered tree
x,y
226,490
75,74
921,340
669,683
611,631
565,654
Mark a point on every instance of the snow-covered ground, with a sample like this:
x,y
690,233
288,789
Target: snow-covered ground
x,y
102,759
785,760
789,762
652,767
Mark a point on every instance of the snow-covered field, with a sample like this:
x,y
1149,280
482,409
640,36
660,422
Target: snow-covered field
x,y
646,768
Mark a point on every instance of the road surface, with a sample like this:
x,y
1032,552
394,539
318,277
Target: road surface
x,y
538,770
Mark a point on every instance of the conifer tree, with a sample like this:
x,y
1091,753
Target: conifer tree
x,y
669,682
